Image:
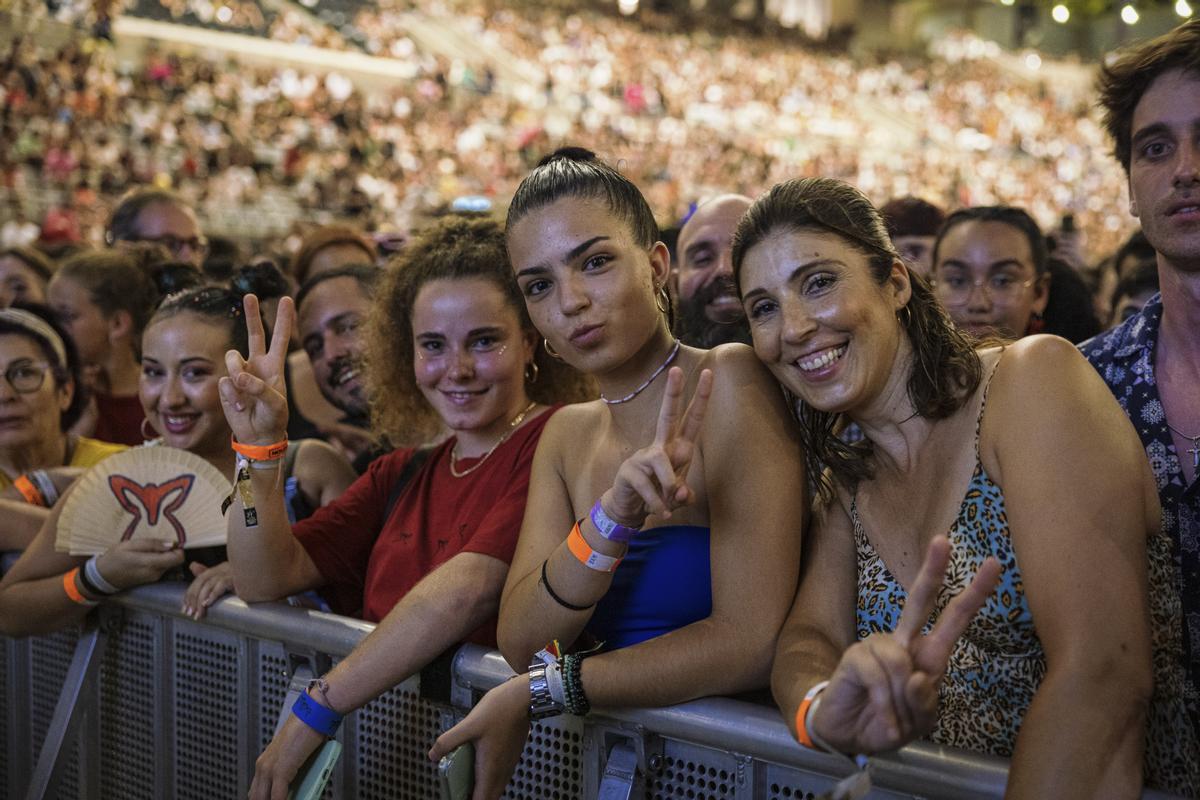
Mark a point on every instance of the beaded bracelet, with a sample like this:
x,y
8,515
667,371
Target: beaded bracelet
x,y
576,700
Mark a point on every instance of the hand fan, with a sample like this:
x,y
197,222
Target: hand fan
x,y
144,493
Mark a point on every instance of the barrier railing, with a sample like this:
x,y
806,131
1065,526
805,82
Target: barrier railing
x,y
155,705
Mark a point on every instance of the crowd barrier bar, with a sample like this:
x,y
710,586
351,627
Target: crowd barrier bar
x,y
143,702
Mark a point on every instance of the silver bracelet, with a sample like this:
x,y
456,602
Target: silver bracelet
x,y
93,573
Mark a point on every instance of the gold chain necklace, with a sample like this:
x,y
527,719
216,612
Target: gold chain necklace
x,y
512,426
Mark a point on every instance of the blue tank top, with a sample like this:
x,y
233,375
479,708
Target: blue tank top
x,y
664,583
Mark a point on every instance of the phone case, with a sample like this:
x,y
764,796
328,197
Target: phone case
x,y
311,781
456,773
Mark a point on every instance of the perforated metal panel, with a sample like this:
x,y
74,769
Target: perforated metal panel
x,y
207,717
272,689
49,660
394,735
551,766
697,773
129,747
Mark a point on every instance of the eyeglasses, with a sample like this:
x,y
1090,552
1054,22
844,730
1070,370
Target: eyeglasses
x,y
196,244
955,290
26,377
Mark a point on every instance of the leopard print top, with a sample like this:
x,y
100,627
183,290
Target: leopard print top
x,y
998,663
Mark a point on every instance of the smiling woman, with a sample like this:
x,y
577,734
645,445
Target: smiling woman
x,y
899,629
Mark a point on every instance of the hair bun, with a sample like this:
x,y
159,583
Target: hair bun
x,y
569,153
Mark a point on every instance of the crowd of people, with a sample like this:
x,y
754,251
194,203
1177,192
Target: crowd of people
x,y
799,439
684,114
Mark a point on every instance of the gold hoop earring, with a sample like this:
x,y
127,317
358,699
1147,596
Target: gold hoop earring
x,y
531,372
662,300
153,434
550,350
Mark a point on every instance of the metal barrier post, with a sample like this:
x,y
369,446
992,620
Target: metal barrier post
x,y
621,780
85,663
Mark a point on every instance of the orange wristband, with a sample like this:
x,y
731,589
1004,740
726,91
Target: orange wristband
x,y
587,556
802,734
260,452
72,590
30,492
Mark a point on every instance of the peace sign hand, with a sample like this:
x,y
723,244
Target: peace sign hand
x,y
884,692
654,479
254,396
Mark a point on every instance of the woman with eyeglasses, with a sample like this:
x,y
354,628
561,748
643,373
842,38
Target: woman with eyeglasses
x,y
664,520
41,397
184,347
990,271
977,573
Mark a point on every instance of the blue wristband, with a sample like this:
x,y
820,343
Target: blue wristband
x,y
609,528
316,716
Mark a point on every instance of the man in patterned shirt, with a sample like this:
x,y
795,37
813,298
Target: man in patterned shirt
x,y
1151,98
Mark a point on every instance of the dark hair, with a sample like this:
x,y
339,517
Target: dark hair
x,y
1009,215
36,260
365,275
115,281
262,279
216,304
222,258
1122,82
912,216
1070,310
453,248
327,236
1142,278
72,370
945,369
576,172
122,225
1137,246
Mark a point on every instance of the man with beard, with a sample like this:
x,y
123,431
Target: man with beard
x,y
1151,100
710,312
331,308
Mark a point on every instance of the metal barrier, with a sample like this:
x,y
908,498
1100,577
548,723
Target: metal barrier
x,y
166,707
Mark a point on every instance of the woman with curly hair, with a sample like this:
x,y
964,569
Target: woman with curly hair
x,y
978,573
422,541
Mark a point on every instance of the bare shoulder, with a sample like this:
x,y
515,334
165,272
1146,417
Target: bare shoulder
x,y
570,426
1042,373
736,370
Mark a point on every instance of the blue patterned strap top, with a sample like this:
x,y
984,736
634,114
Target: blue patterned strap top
x,y
998,663
664,583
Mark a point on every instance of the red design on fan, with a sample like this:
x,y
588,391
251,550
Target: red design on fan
x,y
151,497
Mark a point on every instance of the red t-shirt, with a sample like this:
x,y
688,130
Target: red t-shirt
x,y
119,419
438,516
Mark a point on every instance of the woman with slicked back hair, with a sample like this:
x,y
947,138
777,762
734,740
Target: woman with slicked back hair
x,y
978,555
664,519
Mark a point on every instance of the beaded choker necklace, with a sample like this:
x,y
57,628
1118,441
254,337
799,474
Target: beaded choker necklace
x,y
512,426
650,380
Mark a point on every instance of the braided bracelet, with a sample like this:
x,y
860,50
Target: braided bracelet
x,y
576,700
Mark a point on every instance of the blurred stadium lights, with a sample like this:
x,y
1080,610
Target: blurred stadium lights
x,y
627,7
1060,13
1007,2
1183,8
1129,14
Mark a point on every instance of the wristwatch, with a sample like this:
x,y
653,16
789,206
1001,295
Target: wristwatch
x,y
541,703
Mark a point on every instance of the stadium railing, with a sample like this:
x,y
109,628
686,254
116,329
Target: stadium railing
x,y
143,702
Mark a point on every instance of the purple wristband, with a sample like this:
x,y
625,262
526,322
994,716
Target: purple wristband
x,y
609,528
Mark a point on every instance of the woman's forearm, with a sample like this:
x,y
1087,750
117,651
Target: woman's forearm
x,y
1083,735
33,607
21,523
265,559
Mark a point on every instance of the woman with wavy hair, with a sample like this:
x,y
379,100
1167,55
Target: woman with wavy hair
x,y
421,542
978,571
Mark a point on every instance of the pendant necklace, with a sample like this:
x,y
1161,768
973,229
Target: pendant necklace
x,y
1194,449
650,380
512,426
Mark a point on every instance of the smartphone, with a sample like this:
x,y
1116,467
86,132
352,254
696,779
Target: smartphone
x,y
456,773
316,772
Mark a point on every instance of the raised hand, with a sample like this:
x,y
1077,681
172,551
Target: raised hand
x,y
884,692
137,561
253,395
654,479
